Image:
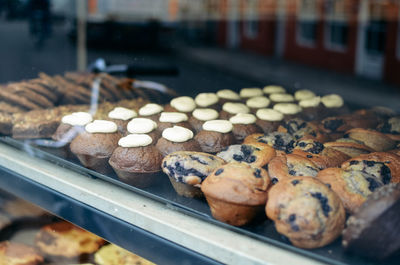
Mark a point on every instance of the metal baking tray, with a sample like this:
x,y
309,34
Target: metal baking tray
x,y
163,192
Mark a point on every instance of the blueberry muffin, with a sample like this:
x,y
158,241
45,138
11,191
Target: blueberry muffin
x,y
170,119
375,140
95,146
268,119
18,254
187,170
287,166
200,116
227,95
373,231
151,111
65,242
352,186
244,124
257,155
136,161
215,136
236,192
320,155
144,126
391,128
207,100
181,104
282,142
306,211
230,109
382,165
177,139
301,129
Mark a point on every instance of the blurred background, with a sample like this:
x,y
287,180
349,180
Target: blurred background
x,y
350,47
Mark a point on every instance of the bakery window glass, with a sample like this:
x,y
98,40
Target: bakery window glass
x,y
336,27
307,22
251,20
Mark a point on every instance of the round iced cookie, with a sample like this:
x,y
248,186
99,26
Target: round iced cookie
x,y
332,101
101,126
169,119
141,125
312,109
135,140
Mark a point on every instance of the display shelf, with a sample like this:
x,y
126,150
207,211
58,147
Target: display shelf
x,y
151,229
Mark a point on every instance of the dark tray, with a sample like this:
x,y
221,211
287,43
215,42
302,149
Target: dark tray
x,y
163,192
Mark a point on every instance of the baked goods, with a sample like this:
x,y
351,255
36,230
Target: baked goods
x,y
63,241
304,94
183,104
391,128
306,211
227,95
290,110
312,109
236,192
187,170
199,116
268,119
121,117
18,254
230,109
348,146
113,255
373,139
273,89
71,125
246,93
136,161
6,123
257,155
151,111
320,155
170,119
256,103
144,126
244,124
287,166
301,129
334,105
20,209
177,139
216,135
280,141
373,230
281,98
207,100
95,146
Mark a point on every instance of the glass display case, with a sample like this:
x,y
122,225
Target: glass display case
x,y
103,105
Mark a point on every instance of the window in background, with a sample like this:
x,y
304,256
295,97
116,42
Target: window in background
x,y
336,25
251,18
307,22
376,30
398,36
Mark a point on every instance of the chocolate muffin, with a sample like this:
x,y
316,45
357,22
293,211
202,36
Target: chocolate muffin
x,y
71,125
144,126
230,109
281,98
304,94
306,211
373,230
246,93
177,139
136,161
334,105
269,120
215,136
257,155
227,95
181,104
151,111
236,192
18,254
170,119
207,100
187,170
273,89
244,124
65,242
121,117
290,110
199,116
312,109
256,103
95,146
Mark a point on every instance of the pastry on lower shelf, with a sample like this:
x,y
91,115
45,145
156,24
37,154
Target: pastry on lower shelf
x,y
18,254
282,142
114,255
177,139
63,241
256,155
236,192
121,116
200,116
350,147
71,125
306,211
375,140
187,170
244,124
5,221
290,165
136,161
319,154
95,146
215,136
301,129
6,123
21,209
373,231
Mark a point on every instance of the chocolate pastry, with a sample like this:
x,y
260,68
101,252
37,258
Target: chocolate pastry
x,y
166,147
257,155
214,142
287,166
306,211
350,147
373,230
375,140
236,192
187,170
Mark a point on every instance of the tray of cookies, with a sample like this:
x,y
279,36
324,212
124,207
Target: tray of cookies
x,y
295,170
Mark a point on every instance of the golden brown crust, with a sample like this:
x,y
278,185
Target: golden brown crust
x,y
350,149
64,240
306,211
18,254
166,147
214,142
373,139
288,166
300,129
